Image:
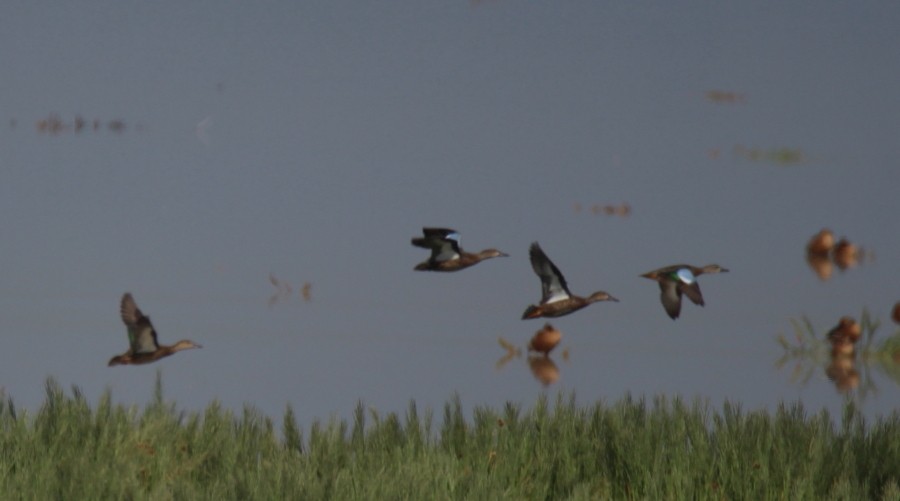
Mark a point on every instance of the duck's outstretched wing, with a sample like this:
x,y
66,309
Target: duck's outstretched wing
x,y
553,284
443,242
670,296
692,291
141,333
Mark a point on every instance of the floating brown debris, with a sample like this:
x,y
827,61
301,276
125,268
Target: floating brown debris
x,y
51,125
306,292
283,290
117,126
54,125
621,210
545,339
511,352
506,345
725,97
895,315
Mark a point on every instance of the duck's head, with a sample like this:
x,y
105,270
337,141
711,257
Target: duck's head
x,y
489,253
185,344
601,296
714,268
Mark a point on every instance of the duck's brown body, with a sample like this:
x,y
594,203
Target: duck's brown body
x,y
446,254
129,358
464,260
556,300
564,306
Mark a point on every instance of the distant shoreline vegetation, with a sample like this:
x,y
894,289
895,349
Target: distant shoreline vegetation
x,y
656,448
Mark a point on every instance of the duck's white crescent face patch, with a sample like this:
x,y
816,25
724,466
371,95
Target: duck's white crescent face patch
x,y
685,275
453,236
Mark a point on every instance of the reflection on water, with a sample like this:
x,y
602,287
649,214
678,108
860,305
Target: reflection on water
x,y
544,369
541,365
842,372
820,265
845,363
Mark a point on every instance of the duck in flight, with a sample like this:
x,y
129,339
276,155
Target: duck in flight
x,y
677,280
556,300
142,336
446,254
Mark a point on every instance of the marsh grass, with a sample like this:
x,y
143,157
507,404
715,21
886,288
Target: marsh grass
x,y
631,449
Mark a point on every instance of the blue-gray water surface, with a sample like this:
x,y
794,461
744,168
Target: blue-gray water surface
x,y
186,152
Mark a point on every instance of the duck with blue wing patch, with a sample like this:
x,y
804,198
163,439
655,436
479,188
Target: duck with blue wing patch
x,y
677,280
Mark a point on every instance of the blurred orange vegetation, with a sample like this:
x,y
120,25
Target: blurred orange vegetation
x,y
55,125
621,210
725,97
780,156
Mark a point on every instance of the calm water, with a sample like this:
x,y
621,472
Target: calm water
x,y
312,143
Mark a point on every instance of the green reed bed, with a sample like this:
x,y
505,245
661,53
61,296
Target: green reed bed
x,y
630,449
